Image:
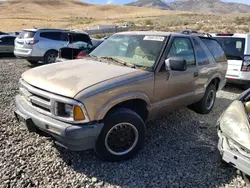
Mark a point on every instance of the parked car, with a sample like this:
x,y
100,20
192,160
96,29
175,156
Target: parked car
x,y
3,33
237,49
104,100
78,49
7,44
15,33
36,45
234,134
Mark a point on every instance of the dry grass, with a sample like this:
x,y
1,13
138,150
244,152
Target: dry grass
x,y
20,14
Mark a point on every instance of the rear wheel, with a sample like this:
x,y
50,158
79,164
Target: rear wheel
x,y
205,105
122,136
50,57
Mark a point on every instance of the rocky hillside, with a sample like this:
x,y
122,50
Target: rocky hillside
x,y
151,4
201,6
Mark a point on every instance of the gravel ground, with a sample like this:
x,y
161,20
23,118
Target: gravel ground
x,y
180,150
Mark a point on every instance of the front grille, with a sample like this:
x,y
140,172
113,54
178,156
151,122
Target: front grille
x,y
38,99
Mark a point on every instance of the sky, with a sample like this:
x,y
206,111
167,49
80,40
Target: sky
x,y
128,1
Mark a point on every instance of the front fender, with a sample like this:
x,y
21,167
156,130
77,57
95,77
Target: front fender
x,y
119,99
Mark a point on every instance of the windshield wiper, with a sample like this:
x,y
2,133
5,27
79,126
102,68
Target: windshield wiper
x,y
120,61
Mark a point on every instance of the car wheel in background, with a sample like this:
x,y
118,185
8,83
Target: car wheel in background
x,y
122,136
245,177
205,105
50,57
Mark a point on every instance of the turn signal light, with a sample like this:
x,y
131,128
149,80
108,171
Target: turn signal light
x,y
78,113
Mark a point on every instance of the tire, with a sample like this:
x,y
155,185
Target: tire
x,y
50,57
204,106
246,86
122,136
245,177
32,62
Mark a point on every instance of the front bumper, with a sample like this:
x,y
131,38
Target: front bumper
x,y
74,137
233,157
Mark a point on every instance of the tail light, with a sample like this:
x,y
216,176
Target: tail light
x,y
246,64
31,42
224,34
81,55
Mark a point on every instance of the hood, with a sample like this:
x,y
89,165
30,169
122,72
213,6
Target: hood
x,y
71,77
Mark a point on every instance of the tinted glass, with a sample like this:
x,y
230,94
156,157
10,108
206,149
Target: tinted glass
x,y
201,56
26,34
54,36
7,40
215,49
233,47
182,47
139,50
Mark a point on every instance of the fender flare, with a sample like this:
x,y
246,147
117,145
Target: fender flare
x,y
119,99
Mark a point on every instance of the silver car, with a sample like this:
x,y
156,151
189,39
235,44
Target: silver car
x,y
40,44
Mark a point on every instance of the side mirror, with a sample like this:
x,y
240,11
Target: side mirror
x,y
176,64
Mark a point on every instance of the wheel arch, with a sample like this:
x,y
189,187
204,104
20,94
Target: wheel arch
x,y
53,50
136,101
215,80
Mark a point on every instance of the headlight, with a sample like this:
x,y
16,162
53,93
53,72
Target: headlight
x,y
235,125
69,111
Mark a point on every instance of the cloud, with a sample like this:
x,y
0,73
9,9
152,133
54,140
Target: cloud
x,y
110,2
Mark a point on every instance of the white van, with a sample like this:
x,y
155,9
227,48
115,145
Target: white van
x,y
237,49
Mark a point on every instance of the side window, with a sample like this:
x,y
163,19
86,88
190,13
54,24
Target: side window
x,y
2,41
215,49
182,47
7,41
64,37
202,57
52,35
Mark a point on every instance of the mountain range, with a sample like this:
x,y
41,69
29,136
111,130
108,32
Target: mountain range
x,y
201,6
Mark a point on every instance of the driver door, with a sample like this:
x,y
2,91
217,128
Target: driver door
x,y
175,89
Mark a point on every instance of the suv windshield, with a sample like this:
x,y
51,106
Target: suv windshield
x,y
233,47
137,50
26,34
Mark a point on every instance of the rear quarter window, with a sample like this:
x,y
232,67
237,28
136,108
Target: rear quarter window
x,y
215,49
26,34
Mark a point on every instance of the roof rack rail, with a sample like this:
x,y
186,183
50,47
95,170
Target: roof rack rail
x,y
193,32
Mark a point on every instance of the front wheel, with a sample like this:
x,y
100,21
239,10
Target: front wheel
x,y
122,136
205,105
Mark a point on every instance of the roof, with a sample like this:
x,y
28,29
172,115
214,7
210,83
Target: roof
x,y
155,33
2,36
158,33
235,35
51,29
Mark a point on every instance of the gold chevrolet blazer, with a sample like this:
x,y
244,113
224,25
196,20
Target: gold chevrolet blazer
x,y
104,100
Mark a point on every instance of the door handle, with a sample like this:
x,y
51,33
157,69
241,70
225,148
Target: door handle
x,y
196,74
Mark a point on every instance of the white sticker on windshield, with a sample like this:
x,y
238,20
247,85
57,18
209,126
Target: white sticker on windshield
x,y
238,44
155,38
